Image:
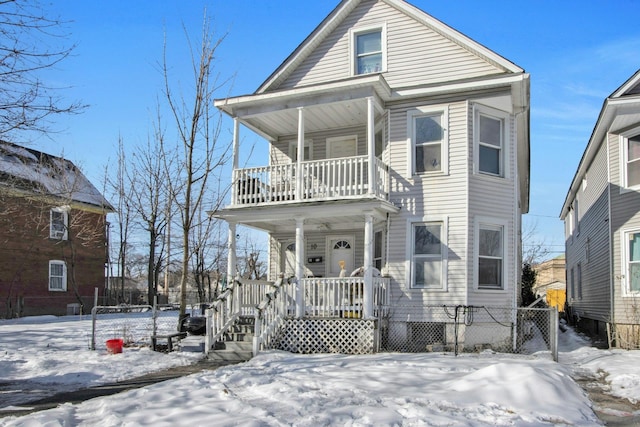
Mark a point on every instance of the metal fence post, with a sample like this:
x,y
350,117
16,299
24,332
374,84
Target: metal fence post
x,y
93,327
553,326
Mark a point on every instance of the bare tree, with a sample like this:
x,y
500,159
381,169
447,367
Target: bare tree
x,y
152,202
121,188
31,41
534,248
197,126
250,264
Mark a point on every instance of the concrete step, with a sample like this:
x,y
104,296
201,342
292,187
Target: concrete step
x,y
192,344
232,351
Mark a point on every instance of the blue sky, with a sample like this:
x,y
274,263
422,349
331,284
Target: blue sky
x,y
577,53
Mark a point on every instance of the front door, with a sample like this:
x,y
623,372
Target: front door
x,y
340,249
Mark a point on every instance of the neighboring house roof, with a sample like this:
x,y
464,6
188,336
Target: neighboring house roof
x,y
31,171
619,111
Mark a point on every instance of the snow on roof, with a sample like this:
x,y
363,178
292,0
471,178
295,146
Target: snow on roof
x,y
42,173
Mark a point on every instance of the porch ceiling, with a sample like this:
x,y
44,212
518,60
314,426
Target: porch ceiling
x,y
324,215
329,106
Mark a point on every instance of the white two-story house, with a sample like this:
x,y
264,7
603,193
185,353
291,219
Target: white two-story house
x,y
398,168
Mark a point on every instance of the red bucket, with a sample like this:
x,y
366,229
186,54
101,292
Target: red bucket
x,y
114,346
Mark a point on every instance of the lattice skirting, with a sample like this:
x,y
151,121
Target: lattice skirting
x,y
346,336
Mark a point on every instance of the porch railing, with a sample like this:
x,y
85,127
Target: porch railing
x,y
323,297
322,179
239,299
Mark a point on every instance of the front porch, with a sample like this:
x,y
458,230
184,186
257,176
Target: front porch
x,y
332,318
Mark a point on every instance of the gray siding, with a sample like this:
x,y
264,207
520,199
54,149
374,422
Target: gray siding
x,y
625,217
415,53
590,247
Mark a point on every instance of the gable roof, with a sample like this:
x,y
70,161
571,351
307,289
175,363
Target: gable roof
x,y
619,110
345,7
30,171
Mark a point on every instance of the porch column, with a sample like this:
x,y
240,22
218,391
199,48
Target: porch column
x,y
368,266
371,145
300,159
235,160
299,267
231,259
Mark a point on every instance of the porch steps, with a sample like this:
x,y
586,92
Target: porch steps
x,y
238,343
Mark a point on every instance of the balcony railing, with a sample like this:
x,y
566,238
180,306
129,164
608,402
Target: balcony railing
x,y
321,180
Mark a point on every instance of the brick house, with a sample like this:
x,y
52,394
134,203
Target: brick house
x,y
53,241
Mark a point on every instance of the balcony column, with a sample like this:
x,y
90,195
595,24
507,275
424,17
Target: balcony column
x,y
371,146
236,150
300,158
231,259
299,267
368,264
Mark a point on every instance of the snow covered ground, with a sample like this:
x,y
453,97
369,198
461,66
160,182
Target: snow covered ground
x,y
282,389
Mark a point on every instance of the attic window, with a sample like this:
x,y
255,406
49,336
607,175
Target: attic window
x,y
368,50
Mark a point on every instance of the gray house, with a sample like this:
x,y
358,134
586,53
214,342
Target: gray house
x,y
398,168
602,223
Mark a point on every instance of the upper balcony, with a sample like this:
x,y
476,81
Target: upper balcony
x,y
328,179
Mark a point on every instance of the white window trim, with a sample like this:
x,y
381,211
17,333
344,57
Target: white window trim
x,y
624,157
64,210
331,140
430,110
409,252
64,276
487,222
505,117
624,250
352,46
293,145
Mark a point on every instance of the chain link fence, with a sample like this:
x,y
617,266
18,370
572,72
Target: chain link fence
x,y
461,329
135,324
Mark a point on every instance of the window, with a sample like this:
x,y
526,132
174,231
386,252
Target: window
x,y
632,157
293,151
368,50
378,245
573,285
59,220
428,136
633,262
490,145
57,276
579,281
427,256
490,257
490,135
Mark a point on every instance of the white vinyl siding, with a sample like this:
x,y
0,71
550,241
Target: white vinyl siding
x,y
415,54
57,275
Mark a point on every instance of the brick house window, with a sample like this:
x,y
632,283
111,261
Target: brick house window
x,y
57,275
58,223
